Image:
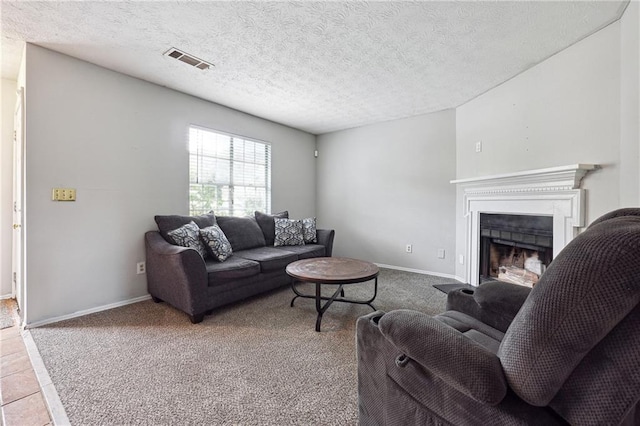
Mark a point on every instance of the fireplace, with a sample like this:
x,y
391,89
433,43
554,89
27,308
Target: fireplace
x,y
553,194
514,248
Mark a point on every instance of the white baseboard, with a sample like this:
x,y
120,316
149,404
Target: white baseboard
x,y
7,296
49,394
419,271
461,279
87,311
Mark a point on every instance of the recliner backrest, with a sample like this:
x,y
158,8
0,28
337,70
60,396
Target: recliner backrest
x,y
587,291
605,386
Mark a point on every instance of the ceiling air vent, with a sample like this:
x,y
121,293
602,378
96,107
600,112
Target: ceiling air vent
x,y
188,59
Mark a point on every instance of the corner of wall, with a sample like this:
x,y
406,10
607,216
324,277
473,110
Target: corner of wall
x,y
630,106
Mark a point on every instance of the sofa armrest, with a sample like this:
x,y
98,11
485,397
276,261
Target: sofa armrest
x,y
325,238
176,275
459,361
495,303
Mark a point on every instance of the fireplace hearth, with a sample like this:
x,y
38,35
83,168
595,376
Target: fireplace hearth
x,y
515,248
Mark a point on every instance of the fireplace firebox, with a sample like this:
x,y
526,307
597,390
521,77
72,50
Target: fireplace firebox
x,y
514,248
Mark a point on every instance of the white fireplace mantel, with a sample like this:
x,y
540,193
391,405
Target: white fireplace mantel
x,y
552,192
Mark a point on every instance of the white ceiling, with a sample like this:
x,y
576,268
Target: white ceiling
x,y
317,66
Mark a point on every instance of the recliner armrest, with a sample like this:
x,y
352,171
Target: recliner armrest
x,y
495,303
498,296
462,363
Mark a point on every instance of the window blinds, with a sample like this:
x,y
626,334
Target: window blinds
x,y
228,174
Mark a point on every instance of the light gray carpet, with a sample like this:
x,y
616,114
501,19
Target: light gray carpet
x,y
258,362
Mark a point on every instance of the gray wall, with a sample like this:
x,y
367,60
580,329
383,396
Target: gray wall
x,y
122,143
630,106
387,185
8,91
565,110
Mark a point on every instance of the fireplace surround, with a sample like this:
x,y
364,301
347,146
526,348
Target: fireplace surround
x,y
553,192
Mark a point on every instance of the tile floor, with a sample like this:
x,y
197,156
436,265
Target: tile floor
x,y
22,401
20,393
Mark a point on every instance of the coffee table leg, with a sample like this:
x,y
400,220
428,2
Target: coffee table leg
x,y
320,309
298,294
318,306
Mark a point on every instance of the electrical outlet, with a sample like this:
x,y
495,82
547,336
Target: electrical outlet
x,y
461,259
440,253
409,248
141,268
479,146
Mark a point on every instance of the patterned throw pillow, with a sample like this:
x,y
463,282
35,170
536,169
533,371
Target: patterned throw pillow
x,y
288,232
188,236
309,230
216,242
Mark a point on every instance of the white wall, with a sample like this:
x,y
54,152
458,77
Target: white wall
x,y
629,110
122,143
565,110
387,185
8,95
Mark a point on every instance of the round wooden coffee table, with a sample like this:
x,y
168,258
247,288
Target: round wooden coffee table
x,y
332,270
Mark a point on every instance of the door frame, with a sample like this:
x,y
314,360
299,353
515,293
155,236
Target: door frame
x,y
18,272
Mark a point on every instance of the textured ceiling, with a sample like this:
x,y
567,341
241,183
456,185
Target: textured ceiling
x,y
316,66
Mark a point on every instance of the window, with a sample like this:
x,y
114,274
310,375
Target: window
x,y
228,174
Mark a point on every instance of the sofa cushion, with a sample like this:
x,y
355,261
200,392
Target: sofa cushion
x,y
171,222
233,268
268,225
288,232
188,235
242,232
309,230
305,252
270,258
216,242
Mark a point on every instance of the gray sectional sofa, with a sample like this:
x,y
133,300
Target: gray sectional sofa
x,y
181,277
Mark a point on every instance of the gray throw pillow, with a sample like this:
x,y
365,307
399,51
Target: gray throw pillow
x,y
170,222
288,233
242,232
188,236
267,224
309,230
216,242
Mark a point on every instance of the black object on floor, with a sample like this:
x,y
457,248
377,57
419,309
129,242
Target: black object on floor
x,y
447,288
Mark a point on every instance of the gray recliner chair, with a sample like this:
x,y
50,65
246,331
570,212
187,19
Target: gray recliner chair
x,y
565,352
